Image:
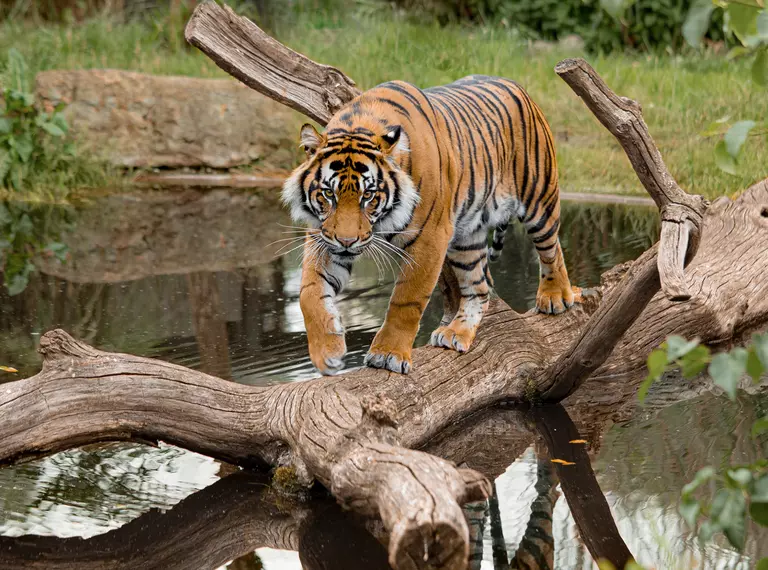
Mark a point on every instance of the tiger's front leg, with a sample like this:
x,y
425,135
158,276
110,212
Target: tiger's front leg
x,y
323,277
391,348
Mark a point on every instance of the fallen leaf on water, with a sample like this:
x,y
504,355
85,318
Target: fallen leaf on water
x,y
578,441
8,369
562,462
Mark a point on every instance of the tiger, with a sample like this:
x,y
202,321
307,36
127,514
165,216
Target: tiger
x,y
424,174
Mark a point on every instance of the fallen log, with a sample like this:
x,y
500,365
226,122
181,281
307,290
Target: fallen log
x,y
357,433
241,513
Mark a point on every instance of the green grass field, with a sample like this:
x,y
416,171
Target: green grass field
x,y
680,95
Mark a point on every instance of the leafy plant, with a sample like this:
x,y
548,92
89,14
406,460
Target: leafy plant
x,y
605,25
27,135
35,152
736,491
746,21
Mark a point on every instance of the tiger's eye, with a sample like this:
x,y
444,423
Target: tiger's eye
x,y
367,195
328,193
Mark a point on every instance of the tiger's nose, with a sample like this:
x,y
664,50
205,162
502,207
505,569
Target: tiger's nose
x,y
346,242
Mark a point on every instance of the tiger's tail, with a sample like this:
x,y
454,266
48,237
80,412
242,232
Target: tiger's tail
x,y
499,232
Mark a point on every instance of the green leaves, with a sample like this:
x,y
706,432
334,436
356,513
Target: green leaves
x,y
726,370
739,491
616,8
760,427
26,231
729,513
758,509
760,67
17,71
697,21
760,346
695,362
678,347
17,283
701,477
727,150
748,21
724,160
689,355
736,136
657,364
689,509
29,138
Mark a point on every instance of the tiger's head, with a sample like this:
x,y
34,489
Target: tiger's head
x,y
351,187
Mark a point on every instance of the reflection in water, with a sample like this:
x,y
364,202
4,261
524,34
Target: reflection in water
x,y
190,277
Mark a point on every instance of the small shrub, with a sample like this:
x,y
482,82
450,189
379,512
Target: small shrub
x,y
605,25
28,136
37,158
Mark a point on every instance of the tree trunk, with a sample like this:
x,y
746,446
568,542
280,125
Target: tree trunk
x,y
357,433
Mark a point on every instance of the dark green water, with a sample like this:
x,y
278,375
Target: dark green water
x,y
192,278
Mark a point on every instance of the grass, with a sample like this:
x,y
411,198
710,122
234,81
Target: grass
x,y
680,95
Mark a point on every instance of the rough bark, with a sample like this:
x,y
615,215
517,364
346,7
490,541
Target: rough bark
x,y
246,52
355,433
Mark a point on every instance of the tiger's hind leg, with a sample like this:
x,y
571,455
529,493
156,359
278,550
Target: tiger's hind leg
x,y
465,278
555,294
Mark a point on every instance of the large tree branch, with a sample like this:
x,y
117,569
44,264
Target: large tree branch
x,y
661,267
681,213
240,513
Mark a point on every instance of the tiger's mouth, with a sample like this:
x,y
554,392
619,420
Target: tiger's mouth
x,y
348,252
341,250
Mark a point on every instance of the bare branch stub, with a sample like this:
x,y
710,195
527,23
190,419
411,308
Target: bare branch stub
x,y
661,267
246,52
681,213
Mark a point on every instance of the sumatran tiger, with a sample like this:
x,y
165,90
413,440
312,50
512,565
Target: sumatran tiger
x,y
424,174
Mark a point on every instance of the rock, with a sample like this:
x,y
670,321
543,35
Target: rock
x,y
139,120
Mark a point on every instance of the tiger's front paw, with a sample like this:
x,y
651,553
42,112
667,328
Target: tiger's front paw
x,y
399,362
389,356
327,353
453,337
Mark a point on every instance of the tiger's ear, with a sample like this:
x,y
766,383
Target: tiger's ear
x,y
310,139
392,139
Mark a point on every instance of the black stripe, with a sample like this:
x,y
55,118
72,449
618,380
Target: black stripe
x,y
415,238
411,304
397,106
471,247
335,286
465,266
550,232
